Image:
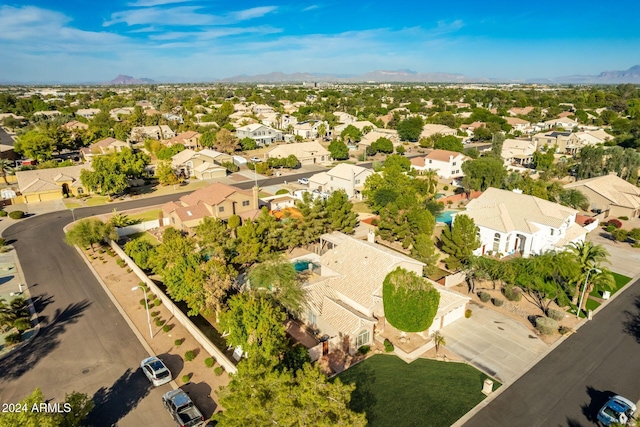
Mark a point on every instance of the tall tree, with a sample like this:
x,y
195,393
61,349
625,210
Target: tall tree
x,y
88,232
338,150
483,173
589,256
5,169
79,406
36,145
450,143
166,174
410,302
341,216
226,141
459,240
280,278
410,128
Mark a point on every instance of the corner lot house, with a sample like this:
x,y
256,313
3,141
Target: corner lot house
x,y
263,135
216,200
50,184
448,164
190,139
307,153
346,299
610,194
203,164
511,222
349,178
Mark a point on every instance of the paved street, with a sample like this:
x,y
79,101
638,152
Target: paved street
x,y
569,385
84,344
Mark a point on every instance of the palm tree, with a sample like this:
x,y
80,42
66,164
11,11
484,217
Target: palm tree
x,y
438,340
588,256
5,169
603,280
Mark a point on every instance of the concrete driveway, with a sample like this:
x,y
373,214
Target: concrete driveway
x,y
494,343
623,258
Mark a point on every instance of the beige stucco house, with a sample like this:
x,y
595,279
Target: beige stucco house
x,y
203,164
344,176
41,185
307,153
610,194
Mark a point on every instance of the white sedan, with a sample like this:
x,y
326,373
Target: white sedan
x,y
303,181
156,371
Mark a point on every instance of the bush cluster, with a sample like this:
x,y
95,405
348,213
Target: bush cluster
x,y
484,296
3,213
388,347
12,339
556,315
564,330
468,313
218,370
512,293
546,325
178,342
189,355
497,301
616,223
624,218
167,328
121,262
186,378
16,214
364,349
209,362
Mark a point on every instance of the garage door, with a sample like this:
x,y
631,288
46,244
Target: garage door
x,y
453,315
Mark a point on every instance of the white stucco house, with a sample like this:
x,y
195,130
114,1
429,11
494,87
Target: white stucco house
x,y
349,178
344,298
307,153
263,135
511,222
448,164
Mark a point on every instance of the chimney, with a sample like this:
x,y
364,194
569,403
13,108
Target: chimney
x,y
371,236
256,200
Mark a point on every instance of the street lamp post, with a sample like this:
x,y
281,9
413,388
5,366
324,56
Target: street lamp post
x,y
584,288
146,303
73,215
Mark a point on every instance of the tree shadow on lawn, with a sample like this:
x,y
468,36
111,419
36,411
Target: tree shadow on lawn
x,y
363,398
22,360
598,399
115,402
631,325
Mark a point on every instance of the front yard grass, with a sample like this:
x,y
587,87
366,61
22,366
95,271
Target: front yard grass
x,y
620,282
146,216
145,236
361,207
423,393
96,200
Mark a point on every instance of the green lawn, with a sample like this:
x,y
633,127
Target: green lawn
x,y
361,207
423,393
146,216
620,282
145,236
72,205
96,200
592,304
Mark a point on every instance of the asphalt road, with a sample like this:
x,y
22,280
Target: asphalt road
x,y
84,344
570,385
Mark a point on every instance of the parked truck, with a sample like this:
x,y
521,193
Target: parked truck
x,y
182,409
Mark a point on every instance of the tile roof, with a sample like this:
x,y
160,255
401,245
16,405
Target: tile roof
x,y
613,188
506,211
343,317
444,155
212,194
300,150
33,181
346,171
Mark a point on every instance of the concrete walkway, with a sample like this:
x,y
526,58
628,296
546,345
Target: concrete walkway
x,y
494,343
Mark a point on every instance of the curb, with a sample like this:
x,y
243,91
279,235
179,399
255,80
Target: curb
x,y
552,347
117,305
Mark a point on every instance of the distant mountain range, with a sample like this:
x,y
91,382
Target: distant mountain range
x,y
632,75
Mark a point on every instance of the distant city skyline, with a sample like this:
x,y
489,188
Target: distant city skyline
x,y
72,41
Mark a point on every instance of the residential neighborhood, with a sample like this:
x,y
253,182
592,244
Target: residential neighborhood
x,y
277,235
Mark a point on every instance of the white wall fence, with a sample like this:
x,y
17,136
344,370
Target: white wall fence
x,y
184,320
454,279
143,226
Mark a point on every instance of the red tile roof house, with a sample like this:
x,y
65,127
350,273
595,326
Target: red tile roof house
x,y
448,164
216,200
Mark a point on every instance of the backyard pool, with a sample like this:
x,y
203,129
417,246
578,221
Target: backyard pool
x,y
302,265
445,216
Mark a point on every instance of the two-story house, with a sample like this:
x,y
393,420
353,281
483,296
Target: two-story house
x,y
216,200
104,146
307,153
140,133
263,135
87,113
448,164
511,222
518,151
190,139
203,164
610,194
349,178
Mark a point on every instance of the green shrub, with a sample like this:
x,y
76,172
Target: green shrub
x,y
121,262
445,188
556,315
512,293
620,235
159,322
610,228
218,370
22,324
546,325
3,213
167,328
364,349
155,313
189,355
484,296
16,214
209,362
624,218
282,191
178,342
143,302
468,313
157,302
388,347
564,330
635,234
186,378
497,301
13,339
410,302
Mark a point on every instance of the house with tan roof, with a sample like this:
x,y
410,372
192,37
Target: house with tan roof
x,y
431,129
140,133
520,111
518,151
115,113
448,164
41,185
360,125
87,113
511,222
309,129
104,146
263,135
610,194
561,122
346,299
519,125
376,134
307,153
190,139
75,125
216,200
344,176
203,164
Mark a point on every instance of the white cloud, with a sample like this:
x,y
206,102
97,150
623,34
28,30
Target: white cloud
x,y
148,3
255,12
312,7
214,33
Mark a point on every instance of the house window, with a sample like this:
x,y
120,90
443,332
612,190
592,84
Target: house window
x,y
357,181
245,203
80,190
430,161
220,208
362,339
453,164
496,242
552,231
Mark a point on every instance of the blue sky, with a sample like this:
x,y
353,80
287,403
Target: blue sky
x,y
75,41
